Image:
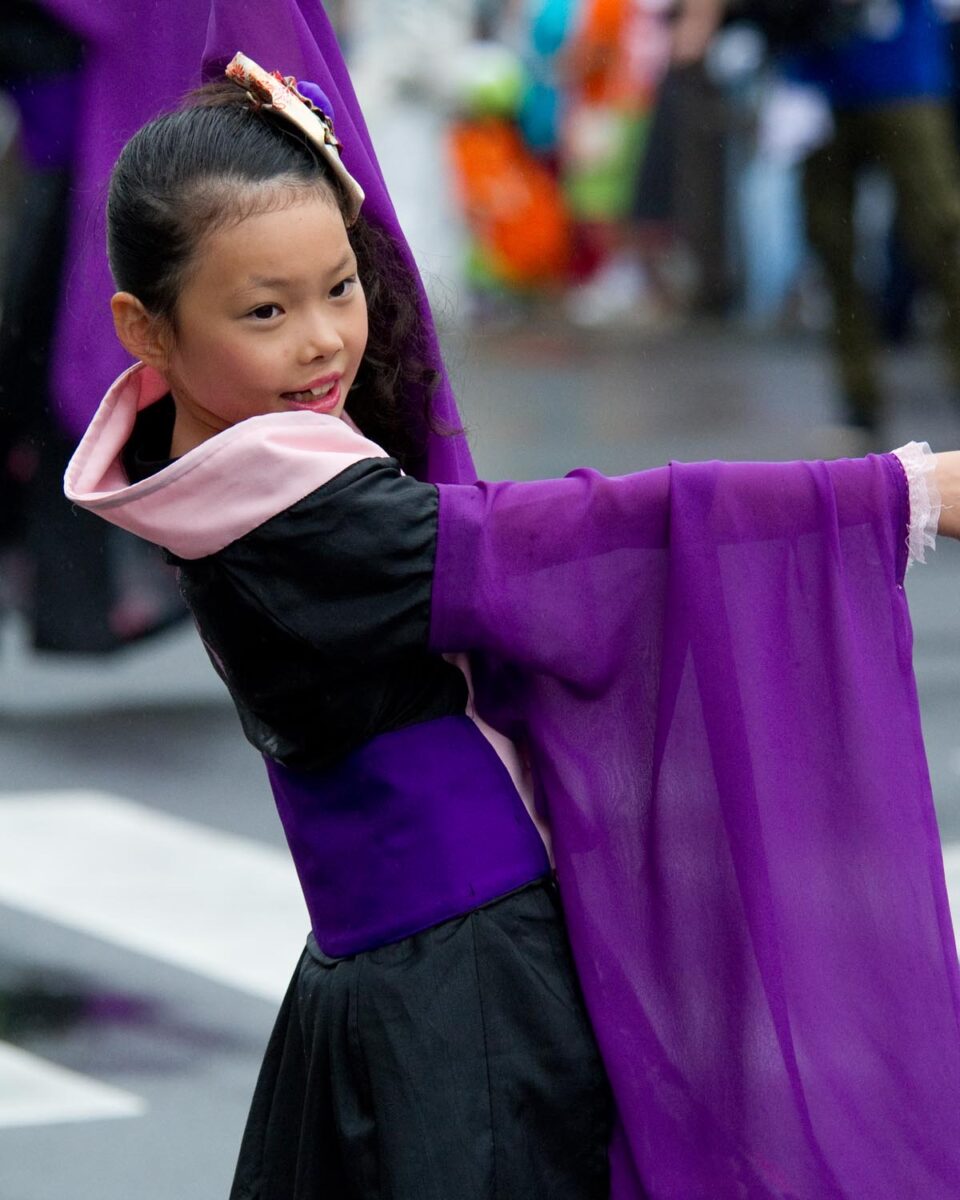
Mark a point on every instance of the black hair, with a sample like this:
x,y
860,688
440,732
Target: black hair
x,y
220,158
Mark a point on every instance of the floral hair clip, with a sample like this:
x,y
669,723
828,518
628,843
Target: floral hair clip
x,y
307,108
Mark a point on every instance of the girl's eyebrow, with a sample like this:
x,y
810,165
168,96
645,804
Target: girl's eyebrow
x,y
263,281
349,259
279,281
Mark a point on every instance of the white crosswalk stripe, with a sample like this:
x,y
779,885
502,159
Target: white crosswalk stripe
x,y
226,907
951,867
35,1092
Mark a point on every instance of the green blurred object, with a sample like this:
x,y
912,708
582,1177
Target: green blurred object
x,y
607,146
487,80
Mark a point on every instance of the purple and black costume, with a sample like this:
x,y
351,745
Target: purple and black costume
x,y
709,667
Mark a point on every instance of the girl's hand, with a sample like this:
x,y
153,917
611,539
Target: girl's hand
x,y
947,479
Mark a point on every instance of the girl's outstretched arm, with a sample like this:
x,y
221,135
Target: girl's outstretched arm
x,y
947,480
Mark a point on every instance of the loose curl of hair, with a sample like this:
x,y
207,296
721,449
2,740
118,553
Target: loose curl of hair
x,y
220,158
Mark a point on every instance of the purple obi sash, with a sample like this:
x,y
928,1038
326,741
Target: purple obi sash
x,y
415,827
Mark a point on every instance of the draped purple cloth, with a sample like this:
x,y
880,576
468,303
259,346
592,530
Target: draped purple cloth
x,y
711,668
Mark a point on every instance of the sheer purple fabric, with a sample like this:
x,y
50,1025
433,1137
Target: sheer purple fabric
x,y
711,668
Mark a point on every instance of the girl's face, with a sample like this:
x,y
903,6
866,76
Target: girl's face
x,y
272,318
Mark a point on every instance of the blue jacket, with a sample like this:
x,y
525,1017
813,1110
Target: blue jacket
x,y
901,54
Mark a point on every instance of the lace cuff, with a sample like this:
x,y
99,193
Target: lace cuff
x,y
918,464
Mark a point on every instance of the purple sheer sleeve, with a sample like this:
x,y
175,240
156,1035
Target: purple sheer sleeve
x,y
536,561
711,667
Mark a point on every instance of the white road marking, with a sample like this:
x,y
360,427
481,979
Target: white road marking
x,y
36,1092
224,906
951,868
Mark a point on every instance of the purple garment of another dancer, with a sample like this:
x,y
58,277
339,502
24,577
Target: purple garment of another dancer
x,y
140,57
48,119
711,668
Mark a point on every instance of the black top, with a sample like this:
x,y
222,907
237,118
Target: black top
x,y
318,619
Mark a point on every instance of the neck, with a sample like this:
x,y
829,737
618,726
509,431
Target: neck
x,y
190,429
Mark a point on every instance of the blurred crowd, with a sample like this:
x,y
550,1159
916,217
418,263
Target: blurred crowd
x,y
631,163
604,163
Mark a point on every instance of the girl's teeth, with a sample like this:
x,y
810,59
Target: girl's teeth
x,y
313,393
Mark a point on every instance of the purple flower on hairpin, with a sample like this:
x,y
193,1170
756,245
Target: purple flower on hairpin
x,y
317,97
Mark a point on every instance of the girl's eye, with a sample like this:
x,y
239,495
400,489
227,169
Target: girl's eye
x,y
344,287
265,312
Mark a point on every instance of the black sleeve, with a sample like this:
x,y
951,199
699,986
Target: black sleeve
x,y
318,620
348,569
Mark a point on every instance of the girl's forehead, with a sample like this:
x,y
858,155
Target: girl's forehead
x,y
303,237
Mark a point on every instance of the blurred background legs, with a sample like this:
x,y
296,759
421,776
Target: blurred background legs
x,y
915,143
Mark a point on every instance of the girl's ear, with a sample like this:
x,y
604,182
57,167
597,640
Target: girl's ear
x,y
139,333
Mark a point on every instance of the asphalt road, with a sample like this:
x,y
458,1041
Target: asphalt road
x,y
140,856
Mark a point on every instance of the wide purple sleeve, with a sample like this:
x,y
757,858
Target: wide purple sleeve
x,y
712,669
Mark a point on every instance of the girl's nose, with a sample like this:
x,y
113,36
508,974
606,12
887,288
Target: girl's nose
x,y
322,339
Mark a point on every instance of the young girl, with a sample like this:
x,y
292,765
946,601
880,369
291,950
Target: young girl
x,y
708,668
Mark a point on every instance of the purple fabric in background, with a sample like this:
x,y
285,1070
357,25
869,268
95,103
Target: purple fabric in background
x,y
711,667
140,57
48,119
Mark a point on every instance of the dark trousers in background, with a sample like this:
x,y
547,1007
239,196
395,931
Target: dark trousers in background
x,y
915,143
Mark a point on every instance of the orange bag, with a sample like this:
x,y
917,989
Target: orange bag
x,y
512,204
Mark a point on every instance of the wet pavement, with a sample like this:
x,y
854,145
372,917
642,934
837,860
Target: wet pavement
x,y
131,1025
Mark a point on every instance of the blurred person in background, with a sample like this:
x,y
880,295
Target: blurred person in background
x,y
680,217
888,82
883,68
71,69
506,102
555,111
403,55
511,200
614,63
900,292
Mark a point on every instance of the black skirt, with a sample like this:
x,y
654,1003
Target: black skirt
x,y
457,1064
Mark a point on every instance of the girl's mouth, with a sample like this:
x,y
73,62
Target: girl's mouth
x,y
320,398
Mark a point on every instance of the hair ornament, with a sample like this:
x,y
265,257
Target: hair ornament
x,y
306,108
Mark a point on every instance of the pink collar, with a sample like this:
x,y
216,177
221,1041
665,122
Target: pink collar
x,y
218,491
